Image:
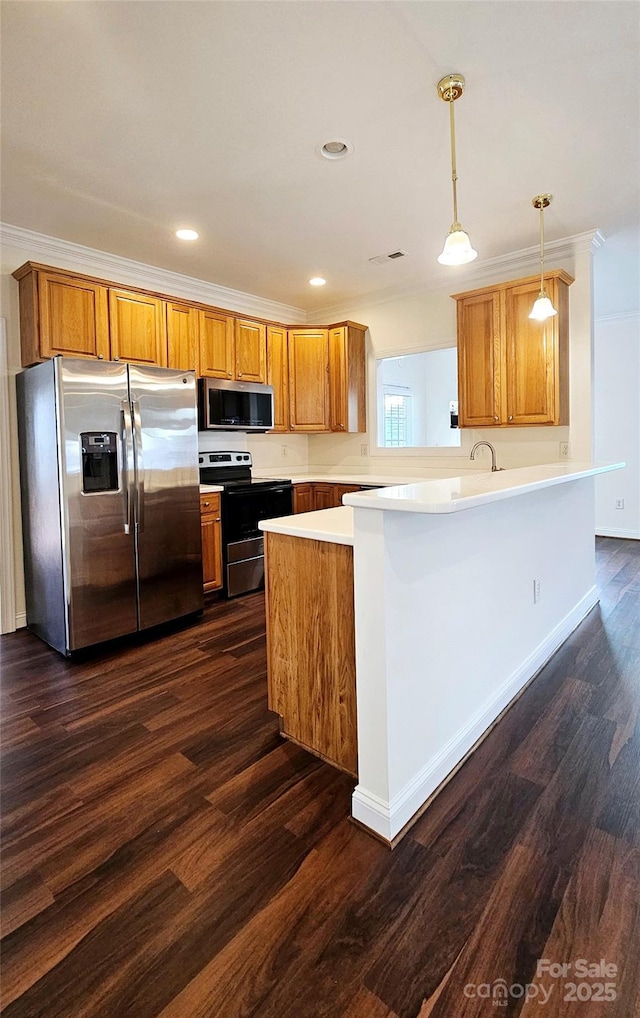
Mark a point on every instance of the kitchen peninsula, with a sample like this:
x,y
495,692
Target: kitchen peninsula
x,y
463,587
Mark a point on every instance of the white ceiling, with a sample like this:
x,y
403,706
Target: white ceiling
x,y
122,121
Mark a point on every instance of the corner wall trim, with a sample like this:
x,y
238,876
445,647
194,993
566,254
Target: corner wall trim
x,y
7,564
388,819
21,620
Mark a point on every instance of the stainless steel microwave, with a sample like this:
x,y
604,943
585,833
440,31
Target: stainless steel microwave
x,y
234,406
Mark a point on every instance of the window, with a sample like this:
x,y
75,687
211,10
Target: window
x,y
417,400
397,416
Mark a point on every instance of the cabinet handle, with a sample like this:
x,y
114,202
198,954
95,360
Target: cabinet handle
x,y
239,374
510,417
495,418
100,356
206,504
217,519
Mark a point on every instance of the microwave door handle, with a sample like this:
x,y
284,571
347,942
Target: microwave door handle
x,y
127,456
139,465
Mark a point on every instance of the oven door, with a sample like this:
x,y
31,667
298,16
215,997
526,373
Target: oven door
x,y
244,507
243,543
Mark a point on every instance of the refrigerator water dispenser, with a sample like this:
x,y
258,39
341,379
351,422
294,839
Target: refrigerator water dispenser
x,y
99,461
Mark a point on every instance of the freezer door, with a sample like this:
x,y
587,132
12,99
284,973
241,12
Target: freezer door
x,y
96,477
167,496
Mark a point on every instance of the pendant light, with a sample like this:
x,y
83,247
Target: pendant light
x,y
543,308
457,248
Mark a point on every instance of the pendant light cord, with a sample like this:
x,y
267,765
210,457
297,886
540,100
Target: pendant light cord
x,y
454,174
542,249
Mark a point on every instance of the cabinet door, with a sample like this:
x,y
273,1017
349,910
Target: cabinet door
x,y
182,337
480,361
251,351
278,376
533,358
343,489
347,369
137,325
74,317
303,498
324,496
216,345
211,525
309,379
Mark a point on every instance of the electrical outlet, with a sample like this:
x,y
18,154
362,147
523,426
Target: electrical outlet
x,y
283,450
619,503
536,590
364,450
564,450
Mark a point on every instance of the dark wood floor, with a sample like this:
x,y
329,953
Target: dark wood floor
x,y
165,853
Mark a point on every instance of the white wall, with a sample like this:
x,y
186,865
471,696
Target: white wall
x,y
424,695
442,387
617,423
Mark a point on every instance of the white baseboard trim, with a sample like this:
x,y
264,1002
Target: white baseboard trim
x,y
387,819
21,620
633,535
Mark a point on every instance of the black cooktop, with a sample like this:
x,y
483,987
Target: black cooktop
x,y
232,470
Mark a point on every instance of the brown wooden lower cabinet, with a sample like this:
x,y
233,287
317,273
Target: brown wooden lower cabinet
x,y
303,498
320,495
323,496
311,645
211,524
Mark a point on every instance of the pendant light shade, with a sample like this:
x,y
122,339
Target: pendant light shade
x,y
543,308
457,248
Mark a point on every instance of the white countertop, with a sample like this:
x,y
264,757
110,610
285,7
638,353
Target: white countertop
x,y
452,494
332,525
434,496
206,489
353,477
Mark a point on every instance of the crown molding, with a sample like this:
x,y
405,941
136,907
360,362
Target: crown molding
x,y
618,316
66,255
479,273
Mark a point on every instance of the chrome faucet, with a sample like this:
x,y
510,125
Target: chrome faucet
x,y
493,455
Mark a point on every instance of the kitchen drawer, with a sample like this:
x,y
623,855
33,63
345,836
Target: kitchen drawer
x,y
210,503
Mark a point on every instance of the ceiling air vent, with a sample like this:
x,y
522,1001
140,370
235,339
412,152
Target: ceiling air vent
x,y
391,257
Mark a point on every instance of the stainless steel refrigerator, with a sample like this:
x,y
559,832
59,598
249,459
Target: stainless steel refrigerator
x,y
110,499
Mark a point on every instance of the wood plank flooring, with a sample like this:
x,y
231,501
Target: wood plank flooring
x,y
167,854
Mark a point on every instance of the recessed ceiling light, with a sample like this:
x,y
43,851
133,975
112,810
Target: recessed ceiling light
x,y
337,148
317,281
187,234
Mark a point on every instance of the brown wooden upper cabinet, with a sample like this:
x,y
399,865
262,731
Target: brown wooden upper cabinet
x,y
138,327
278,376
217,344
309,380
182,337
318,375
61,314
513,371
251,351
347,366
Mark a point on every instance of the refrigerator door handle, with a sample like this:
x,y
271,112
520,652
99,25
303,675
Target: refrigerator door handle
x,y
139,464
127,456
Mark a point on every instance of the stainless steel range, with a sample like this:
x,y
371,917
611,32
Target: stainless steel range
x,y
245,501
